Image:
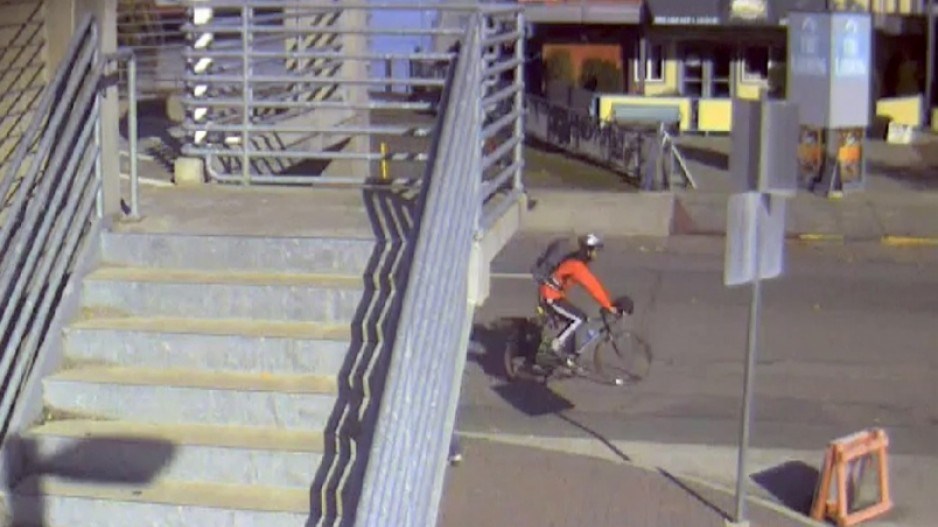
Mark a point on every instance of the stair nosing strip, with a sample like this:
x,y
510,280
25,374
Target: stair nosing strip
x,y
198,380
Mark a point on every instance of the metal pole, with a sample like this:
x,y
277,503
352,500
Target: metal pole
x,y
519,102
98,175
132,132
748,376
245,89
929,60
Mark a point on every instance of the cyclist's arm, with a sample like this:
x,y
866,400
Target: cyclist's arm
x,y
582,274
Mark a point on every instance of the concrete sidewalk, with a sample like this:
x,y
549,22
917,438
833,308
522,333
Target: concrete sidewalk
x,y
500,484
907,218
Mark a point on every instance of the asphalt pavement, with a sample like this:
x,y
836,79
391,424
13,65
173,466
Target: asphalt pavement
x,y
848,342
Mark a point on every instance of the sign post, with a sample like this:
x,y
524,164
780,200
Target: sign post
x,y
764,171
830,79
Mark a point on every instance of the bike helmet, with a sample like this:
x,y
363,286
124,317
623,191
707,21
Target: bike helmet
x,y
591,242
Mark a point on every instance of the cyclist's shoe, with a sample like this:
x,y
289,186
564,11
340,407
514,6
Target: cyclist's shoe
x,y
570,359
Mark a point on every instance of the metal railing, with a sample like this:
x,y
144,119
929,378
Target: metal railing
x,y
153,30
670,169
54,184
646,155
292,93
404,475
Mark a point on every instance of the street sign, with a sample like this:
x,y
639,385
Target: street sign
x,y
830,72
765,137
778,173
747,142
755,238
851,75
809,70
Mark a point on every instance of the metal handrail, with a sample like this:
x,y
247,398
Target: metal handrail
x,y
57,171
257,109
404,476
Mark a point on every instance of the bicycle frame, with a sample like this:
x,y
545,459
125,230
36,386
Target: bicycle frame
x,y
596,327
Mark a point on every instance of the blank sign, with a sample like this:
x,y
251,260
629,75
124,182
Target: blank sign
x,y
755,232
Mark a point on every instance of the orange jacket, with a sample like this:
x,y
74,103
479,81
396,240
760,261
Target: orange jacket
x,y
573,270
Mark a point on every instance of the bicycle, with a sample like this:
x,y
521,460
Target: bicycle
x,y
610,355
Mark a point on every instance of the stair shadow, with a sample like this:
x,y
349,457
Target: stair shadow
x,y
26,508
335,490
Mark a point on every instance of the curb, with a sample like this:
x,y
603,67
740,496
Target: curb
x,y
752,499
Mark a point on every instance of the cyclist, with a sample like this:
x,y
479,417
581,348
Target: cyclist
x,y
574,268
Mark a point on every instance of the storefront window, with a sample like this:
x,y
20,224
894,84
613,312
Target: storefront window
x,y
654,64
758,61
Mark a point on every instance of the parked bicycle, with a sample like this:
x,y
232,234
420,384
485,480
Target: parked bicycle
x,y
611,354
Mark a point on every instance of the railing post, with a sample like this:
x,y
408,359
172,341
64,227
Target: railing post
x,y
246,12
519,101
98,180
105,33
132,133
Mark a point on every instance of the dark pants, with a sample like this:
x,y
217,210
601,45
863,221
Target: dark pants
x,y
575,326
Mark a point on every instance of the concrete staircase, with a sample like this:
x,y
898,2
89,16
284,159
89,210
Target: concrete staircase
x,y
214,379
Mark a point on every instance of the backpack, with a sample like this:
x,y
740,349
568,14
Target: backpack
x,y
556,252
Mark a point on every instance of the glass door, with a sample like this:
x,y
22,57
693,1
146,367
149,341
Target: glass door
x,y
707,70
692,80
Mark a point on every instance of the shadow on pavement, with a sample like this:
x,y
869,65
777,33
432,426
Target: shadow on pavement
x,y
112,460
490,342
596,435
533,398
792,483
694,494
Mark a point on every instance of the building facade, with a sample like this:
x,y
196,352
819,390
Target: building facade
x,y
699,55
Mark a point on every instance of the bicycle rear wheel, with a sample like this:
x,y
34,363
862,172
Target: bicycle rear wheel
x,y
519,349
622,358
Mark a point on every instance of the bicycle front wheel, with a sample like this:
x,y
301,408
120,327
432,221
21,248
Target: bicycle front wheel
x,y
622,358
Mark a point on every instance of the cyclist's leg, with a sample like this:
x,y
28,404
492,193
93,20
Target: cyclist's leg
x,y
576,316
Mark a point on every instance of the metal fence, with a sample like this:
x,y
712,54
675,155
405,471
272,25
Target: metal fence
x,y
54,182
153,30
404,476
646,155
296,93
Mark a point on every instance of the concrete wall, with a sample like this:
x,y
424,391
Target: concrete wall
x,y
61,17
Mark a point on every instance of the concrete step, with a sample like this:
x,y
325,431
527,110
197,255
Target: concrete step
x,y
196,294
204,344
126,451
180,396
345,256
60,502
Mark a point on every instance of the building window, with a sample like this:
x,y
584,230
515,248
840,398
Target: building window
x,y
654,64
758,61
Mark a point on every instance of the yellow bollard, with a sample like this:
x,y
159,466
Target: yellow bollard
x,y
384,162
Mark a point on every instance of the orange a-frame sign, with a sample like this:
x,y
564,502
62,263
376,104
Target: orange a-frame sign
x,y
848,463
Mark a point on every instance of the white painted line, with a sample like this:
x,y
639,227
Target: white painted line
x,y
511,276
145,157
149,181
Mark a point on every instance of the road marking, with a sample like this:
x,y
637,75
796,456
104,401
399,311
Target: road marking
x,y
909,241
819,237
511,276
